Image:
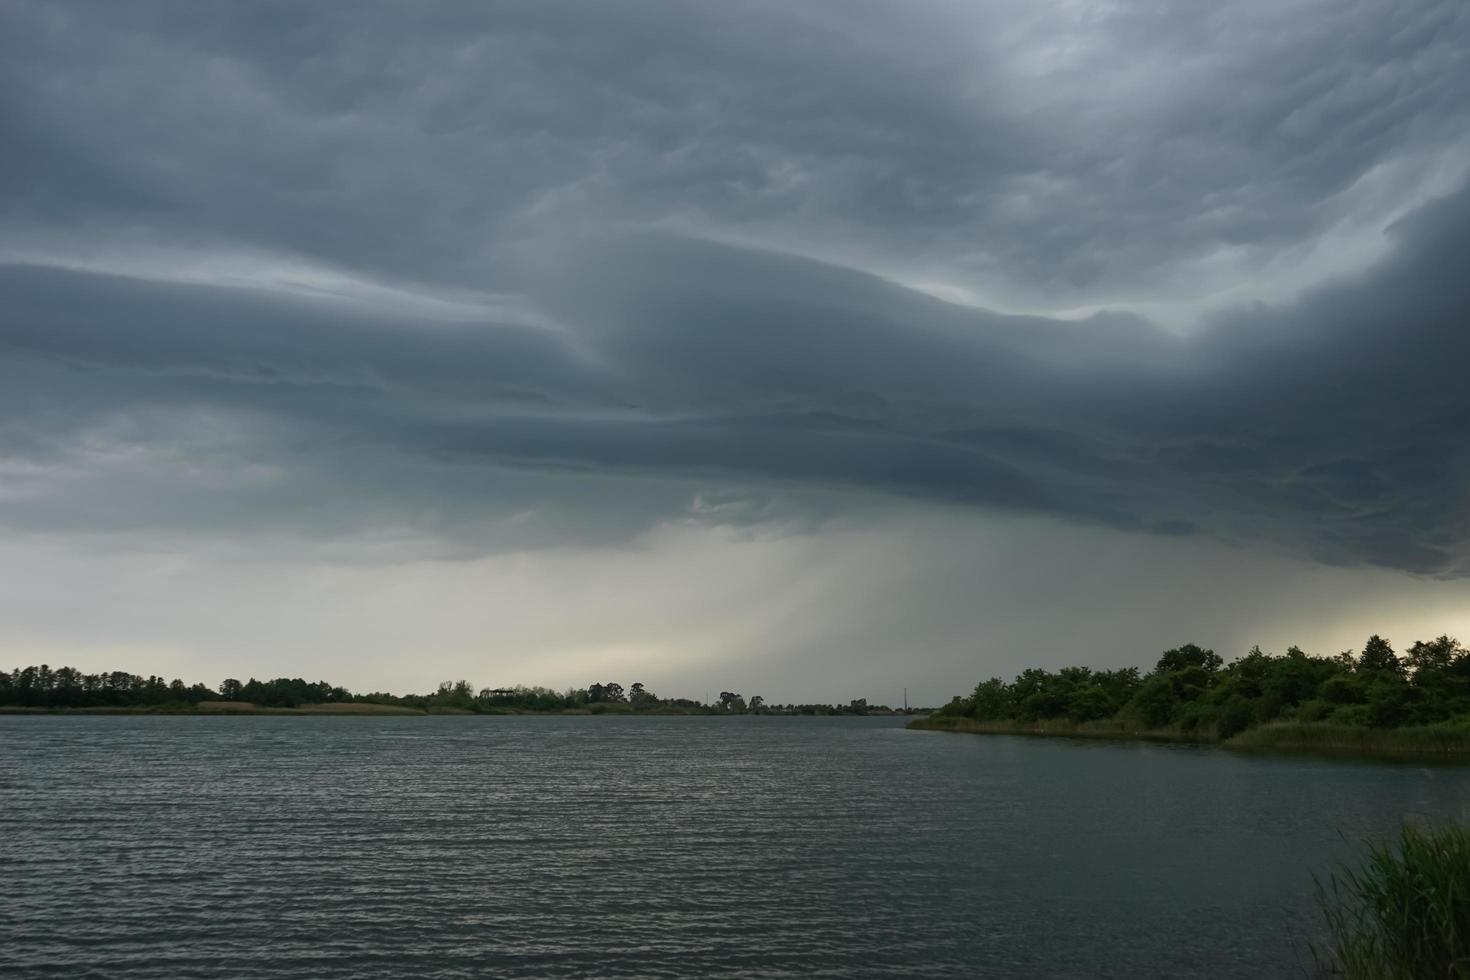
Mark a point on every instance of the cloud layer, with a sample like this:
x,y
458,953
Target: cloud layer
x,y
682,370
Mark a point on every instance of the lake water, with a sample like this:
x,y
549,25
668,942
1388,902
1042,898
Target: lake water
x,y
663,847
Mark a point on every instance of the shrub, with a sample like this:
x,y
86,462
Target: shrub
x,y
1314,710
1153,705
1352,714
1236,718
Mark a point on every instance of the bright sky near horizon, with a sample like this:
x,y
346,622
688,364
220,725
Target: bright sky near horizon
x,y
810,350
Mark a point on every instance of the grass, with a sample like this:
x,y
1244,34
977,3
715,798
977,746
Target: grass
x,y
1447,741
1406,913
335,708
1110,728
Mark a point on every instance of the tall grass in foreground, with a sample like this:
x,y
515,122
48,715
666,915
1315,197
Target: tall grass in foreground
x,y
1405,914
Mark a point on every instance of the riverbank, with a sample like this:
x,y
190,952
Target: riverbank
x,y
1445,742
1054,728
355,708
221,708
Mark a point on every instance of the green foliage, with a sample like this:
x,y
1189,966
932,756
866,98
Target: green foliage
x,y
1445,738
1378,656
1189,655
1234,718
1343,689
1091,703
1154,703
65,688
990,700
1191,690
1406,913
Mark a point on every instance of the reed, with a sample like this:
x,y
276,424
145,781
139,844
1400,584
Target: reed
x,y
1446,739
1107,728
1405,914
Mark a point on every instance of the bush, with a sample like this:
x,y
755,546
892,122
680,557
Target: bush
x,y
1091,704
1353,714
1153,705
1344,689
1236,718
1314,710
1195,715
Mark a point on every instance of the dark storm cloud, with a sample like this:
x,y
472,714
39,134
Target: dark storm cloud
x,y
1067,149
1335,425
581,161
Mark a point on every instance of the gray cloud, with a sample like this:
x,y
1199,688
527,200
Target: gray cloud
x,y
581,347
1334,424
1043,155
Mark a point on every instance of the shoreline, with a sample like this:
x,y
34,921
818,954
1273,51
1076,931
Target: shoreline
x,y
1436,743
168,711
368,709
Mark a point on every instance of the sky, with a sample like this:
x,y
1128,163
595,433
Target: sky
x,y
813,350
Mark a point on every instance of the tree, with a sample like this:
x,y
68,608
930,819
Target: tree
x,y
229,689
613,691
1432,657
1189,655
1378,656
991,701
1091,704
1153,704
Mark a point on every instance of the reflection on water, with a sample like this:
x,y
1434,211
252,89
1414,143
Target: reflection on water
x,y
671,846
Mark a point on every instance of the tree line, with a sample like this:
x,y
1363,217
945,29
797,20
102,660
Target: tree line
x,y
66,687
1192,689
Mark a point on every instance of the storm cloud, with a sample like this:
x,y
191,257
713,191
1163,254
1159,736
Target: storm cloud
x,y
466,279
1335,423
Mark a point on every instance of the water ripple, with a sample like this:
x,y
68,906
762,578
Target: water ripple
x,y
657,847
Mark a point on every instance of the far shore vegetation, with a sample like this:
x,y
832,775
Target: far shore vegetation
x,y
1373,703
65,689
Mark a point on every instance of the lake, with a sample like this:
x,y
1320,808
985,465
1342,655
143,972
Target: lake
x,y
265,847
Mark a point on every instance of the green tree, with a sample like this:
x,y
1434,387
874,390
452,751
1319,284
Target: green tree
x,y
1378,656
1435,656
991,701
1189,655
1092,703
1153,704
